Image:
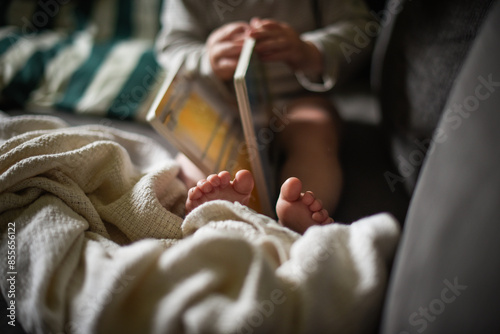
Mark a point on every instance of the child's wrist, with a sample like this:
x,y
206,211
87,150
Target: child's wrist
x,y
312,60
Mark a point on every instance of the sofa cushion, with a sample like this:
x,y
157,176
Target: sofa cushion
x,y
92,57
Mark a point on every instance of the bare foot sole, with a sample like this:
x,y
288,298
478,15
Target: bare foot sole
x,y
220,186
297,210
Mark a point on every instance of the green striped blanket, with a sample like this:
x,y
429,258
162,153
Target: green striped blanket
x,y
93,57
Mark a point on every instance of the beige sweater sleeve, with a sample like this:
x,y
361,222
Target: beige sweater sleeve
x,y
344,38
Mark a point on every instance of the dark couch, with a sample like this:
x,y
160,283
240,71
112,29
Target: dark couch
x,y
439,84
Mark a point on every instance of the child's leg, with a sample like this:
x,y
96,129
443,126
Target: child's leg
x,y
311,145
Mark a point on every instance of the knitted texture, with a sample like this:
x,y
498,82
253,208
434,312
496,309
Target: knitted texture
x,y
101,246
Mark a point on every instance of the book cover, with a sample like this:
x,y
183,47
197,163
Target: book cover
x,y
254,105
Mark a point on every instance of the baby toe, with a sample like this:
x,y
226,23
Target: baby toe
x,y
308,198
214,180
225,179
328,221
195,193
316,205
291,189
320,216
205,186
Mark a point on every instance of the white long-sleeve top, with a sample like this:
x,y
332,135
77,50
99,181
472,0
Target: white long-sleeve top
x,y
336,27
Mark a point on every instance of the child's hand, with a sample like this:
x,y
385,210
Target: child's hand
x,y
224,47
277,41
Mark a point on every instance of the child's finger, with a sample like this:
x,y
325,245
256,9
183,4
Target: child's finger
x,y
226,49
272,45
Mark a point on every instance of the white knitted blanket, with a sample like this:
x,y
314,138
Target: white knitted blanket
x,y
101,246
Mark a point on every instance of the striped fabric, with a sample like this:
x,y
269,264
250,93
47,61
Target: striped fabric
x,y
93,57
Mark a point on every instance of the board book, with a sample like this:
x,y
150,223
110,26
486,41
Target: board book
x,y
218,129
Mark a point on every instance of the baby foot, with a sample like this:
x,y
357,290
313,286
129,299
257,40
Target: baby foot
x,y
298,211
220,186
